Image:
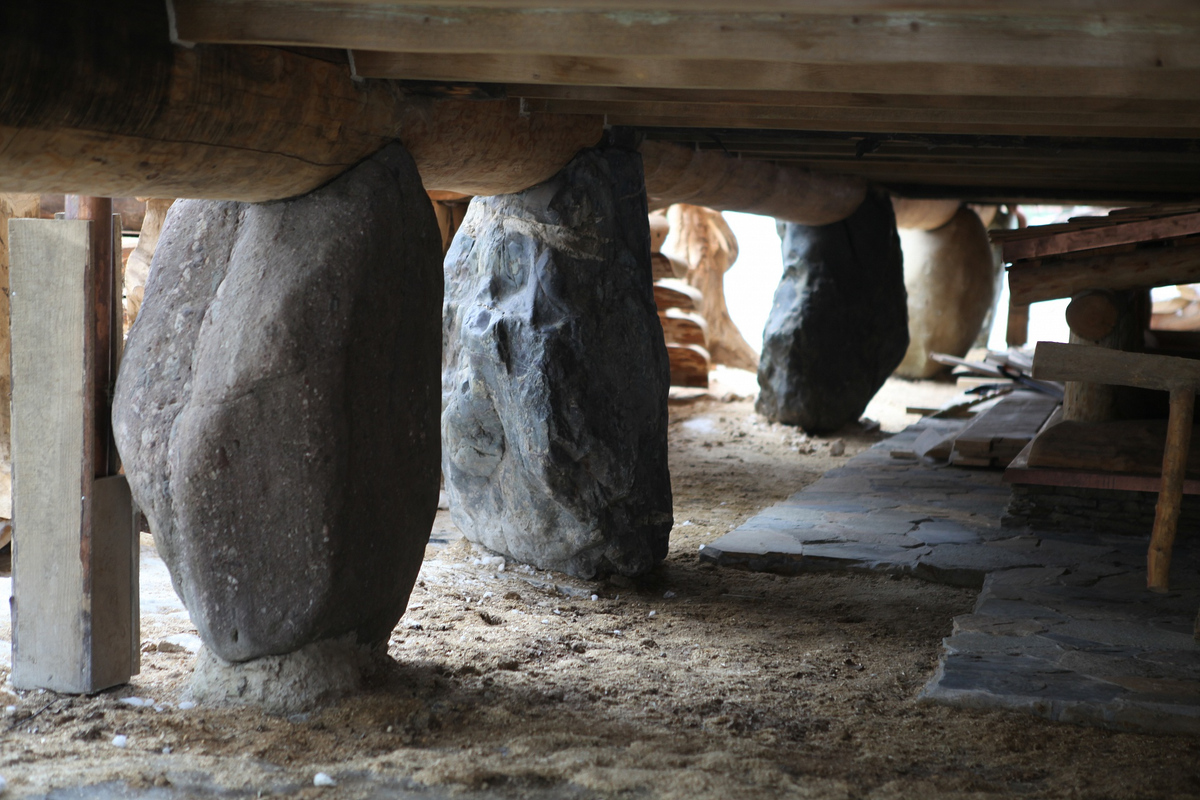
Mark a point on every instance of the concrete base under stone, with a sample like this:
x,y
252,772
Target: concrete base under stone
x,y
1064,627
315,675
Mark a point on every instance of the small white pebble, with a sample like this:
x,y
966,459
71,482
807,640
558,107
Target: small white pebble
x,y
545,622
13,709
686,522
137,702
166,751
3,785
186,705
652,614
617,632
487,595
594,598
668,595
559,613
120,740
702,546
321,779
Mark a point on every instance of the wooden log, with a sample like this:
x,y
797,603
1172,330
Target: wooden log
x,y
1093,315
1166,512
702,239
689,365
677,294
676,174
1143,268
1017,332
683,327
75,562
1053,361
237,123
923,215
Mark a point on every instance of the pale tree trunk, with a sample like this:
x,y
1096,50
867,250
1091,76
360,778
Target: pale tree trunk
x,y
702,239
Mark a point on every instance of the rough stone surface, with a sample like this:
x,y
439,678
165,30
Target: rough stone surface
x,y
315,675
950,278
277,407
838,325
555,381
1066,508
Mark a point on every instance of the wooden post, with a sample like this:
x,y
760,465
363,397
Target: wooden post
x,y
1017,333
75,555
1166,513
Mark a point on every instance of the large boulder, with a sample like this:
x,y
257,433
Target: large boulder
x,y
277,408
838,323
555,380
950,276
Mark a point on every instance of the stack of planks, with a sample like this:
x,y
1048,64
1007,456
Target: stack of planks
x,y
1130,248
684,329
995,437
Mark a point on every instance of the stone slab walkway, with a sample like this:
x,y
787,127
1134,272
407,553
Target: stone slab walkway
x,y
1064,626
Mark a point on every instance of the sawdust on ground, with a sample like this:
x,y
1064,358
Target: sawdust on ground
x,y
694,682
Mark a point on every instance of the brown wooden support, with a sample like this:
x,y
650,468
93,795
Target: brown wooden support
x,y
1170,496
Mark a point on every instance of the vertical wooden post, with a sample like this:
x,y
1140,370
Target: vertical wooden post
x,y
75,554
1170,496
1017,333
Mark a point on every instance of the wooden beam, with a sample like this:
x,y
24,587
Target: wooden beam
x,y
1143,268
1103,236
677,174
1120,41
1053,361
699,73
75,552
240,123
887,118
1170,496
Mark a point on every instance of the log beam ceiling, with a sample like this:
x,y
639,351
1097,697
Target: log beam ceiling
x,y
1065,70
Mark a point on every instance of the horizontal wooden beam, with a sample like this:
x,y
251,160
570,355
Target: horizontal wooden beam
x,y
140,117
1116,40
877,101
1102,236
1143,268
700,73
1053,361
933,120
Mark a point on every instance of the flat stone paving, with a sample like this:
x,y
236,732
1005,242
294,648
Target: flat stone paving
x,y
1063,628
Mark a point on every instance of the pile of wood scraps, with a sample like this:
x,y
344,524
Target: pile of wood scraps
x,y
1130,248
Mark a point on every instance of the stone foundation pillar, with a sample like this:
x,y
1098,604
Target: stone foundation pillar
x,y
555,381
277,409
838,325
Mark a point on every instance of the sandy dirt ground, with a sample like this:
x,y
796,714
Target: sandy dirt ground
x,y
694,682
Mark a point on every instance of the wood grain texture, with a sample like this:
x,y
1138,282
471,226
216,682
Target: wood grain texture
x,y
1143,268
683,327
1053,361
689,365
1001,432
699,73
1102,236
1166,513
1093,314
676,294
1132,446
677,174
1118,41
49,308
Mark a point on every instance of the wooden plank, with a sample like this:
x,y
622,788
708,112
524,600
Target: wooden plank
x,y
1123,41
1001,432
49,305
1073,362
1102,236
670,293
1126,446
700,73
75,580
821,115
1143,268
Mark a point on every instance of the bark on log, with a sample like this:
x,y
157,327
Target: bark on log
x,y
702,239
239,123
676,174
